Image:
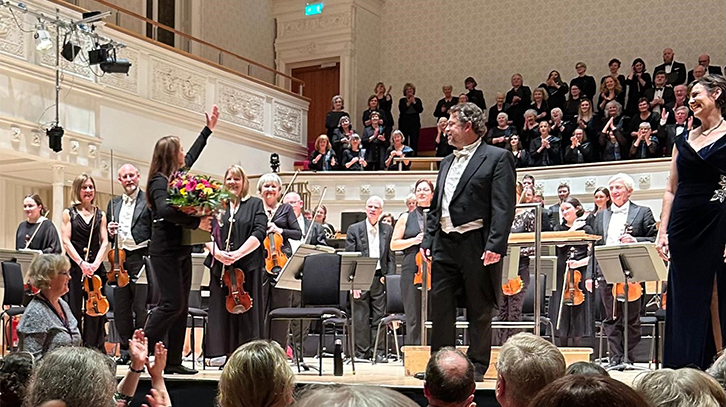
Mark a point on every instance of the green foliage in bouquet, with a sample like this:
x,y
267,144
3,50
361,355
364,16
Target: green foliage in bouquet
x,y
197,195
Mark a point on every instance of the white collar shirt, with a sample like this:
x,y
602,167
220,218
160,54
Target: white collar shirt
x,y
456,170
618,221
374,242
125,220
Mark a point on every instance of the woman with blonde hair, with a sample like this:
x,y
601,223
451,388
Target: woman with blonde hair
x,y
85,239
257,375
684,387
323,157
240,247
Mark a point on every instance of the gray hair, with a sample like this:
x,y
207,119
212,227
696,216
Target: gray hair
x,y
470,113
45,268
718,370
679,108
530,112
680,388
75,375
558,110
375,198
269,177
410,197
338,395
616,104
400,133
644,125
528,363
624,178
332,101
506,116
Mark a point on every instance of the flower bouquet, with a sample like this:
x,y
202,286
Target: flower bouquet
x,y
197,195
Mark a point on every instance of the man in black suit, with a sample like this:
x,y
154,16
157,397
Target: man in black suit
x,y
623,222
130,229
372,239
467,230
705,61
675,71
563,192
660,96
667,132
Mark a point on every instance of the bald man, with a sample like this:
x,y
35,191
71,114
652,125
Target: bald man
x,y
129,226
675,71
449,379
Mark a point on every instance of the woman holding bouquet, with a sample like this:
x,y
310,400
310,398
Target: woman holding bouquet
x,y
281,220
245,215
172,262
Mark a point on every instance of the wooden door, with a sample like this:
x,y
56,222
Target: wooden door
x,y
321,84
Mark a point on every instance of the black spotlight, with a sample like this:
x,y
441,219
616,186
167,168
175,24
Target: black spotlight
x,y
98,54
70,49
55,137
115,65
275,162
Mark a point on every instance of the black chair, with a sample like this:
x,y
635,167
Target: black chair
x,y
13,296
113,335
320,299
528,305
394,312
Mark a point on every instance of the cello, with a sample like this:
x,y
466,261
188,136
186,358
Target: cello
x,y
96,303
238,300
117,258
275,258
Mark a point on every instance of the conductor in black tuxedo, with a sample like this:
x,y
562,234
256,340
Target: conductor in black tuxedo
x,y
675,71
466,233
130,228
623,222
372,239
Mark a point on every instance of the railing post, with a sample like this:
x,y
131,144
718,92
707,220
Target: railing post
x,y
220,60
118,18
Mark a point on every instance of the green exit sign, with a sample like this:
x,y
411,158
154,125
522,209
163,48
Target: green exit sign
x,y
312,9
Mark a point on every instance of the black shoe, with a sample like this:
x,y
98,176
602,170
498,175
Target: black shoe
x,y
420,375
124,359
179,369
381,359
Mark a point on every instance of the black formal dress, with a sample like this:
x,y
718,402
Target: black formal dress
x,y
542,108
41,235
578,155
93,329
332,120
393,166
375,148
557,96
284,218
171,261
443,106
411,294
409,121
613,150
516,111
325,163
587,85
548,156
697,236
571,109
496,132
385,105
476,97
485,192
636,90
494,111
338,145
521,158
233,330
348,155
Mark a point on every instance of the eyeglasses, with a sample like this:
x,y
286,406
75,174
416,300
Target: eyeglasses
x,y
64,273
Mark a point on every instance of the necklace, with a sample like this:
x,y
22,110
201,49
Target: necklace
x,y
709,131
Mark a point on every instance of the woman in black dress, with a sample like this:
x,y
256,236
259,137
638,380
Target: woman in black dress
x,y
638,81
323,157
692,233
443,148
521,156
373,107
556,89
36,232
246,217
281,220
409,119
612,142
573,103
397,149
610,90
407,236
85,240
475,95
385,105
539,104
341,136
375,142
579,150
445,103
546,149
354,157
495,109
499,136
572,322
332,118
170,259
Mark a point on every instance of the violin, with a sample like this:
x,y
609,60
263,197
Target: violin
x,y
513,286
96,303
572,293
635,290
421,262
117,258
238,300
275,259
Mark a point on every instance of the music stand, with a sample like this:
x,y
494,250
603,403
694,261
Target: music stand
x,y
357,273
636,262
289,277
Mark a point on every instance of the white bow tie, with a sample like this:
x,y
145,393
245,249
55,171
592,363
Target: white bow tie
x,y
462,153
622,209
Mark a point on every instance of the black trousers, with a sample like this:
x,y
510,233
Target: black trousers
x,y
367,313
613,324
93,329
169,318
296,325
457,269
411,300
130,301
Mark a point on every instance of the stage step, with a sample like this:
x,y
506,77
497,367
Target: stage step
x,y
418,356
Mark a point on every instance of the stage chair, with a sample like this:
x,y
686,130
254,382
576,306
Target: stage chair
x,y
394,313
320,299
13,296
528,305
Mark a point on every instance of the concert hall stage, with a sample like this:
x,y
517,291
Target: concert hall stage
x,y
200,390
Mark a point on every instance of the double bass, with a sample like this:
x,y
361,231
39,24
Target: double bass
x,y
96,303
238,300
117,275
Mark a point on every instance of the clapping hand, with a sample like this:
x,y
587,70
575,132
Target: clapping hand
x,y
664,115
213,117
157,368
138,349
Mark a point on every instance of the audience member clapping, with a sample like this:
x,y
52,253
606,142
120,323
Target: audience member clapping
x,y
342,135
613,144
526,364
586,119
449,379
373,107
138,352
572,106
354,156
556,89
645,145
660,96
539,104
475,95
332,118
375,142
638,81
614,67
588,391
15,371
610,90
409,119
339,395
398,149
684,387
530,127
322,158
499,135
545,149
644,115
495,109
385,104
586,83
518,99
445,103
557,126
579,151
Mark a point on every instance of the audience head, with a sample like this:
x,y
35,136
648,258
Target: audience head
x,y
344,122
638,65
293,199
375,117
514,143
602,198
374,208
621,187
539,94
447,89
308,214
355,141
463,98
681,92
528,180
659,78
539,198
466,125
643,105
574,92
470,83
526,364
339,395
586,369
699,72
15,371
322,143
581,68
129,177
77,376
668,55
502,119
527,195
706,94
614,65
398,138
586,391
517,80
585,110
556,114
84,189
499,97
570,210
579,135
424,191
555,76
50,274
609,84
449,379
33,207
544,129
387,218
409,89
337,103
704,60
236,181
410,202
530,116
256,375
321,213
563,192
680,388
373,102
644,130
614,108
380,88
441,124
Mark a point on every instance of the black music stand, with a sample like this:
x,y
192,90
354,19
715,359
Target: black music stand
x,y
357,273
636,262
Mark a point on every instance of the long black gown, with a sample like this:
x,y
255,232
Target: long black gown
x,y
412,295
697,235
233,330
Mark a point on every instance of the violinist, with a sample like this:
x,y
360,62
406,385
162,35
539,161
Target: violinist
x,y
85,239
407,236
623,222
131,225
37,232
571,321
281,221
510,308
245,215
